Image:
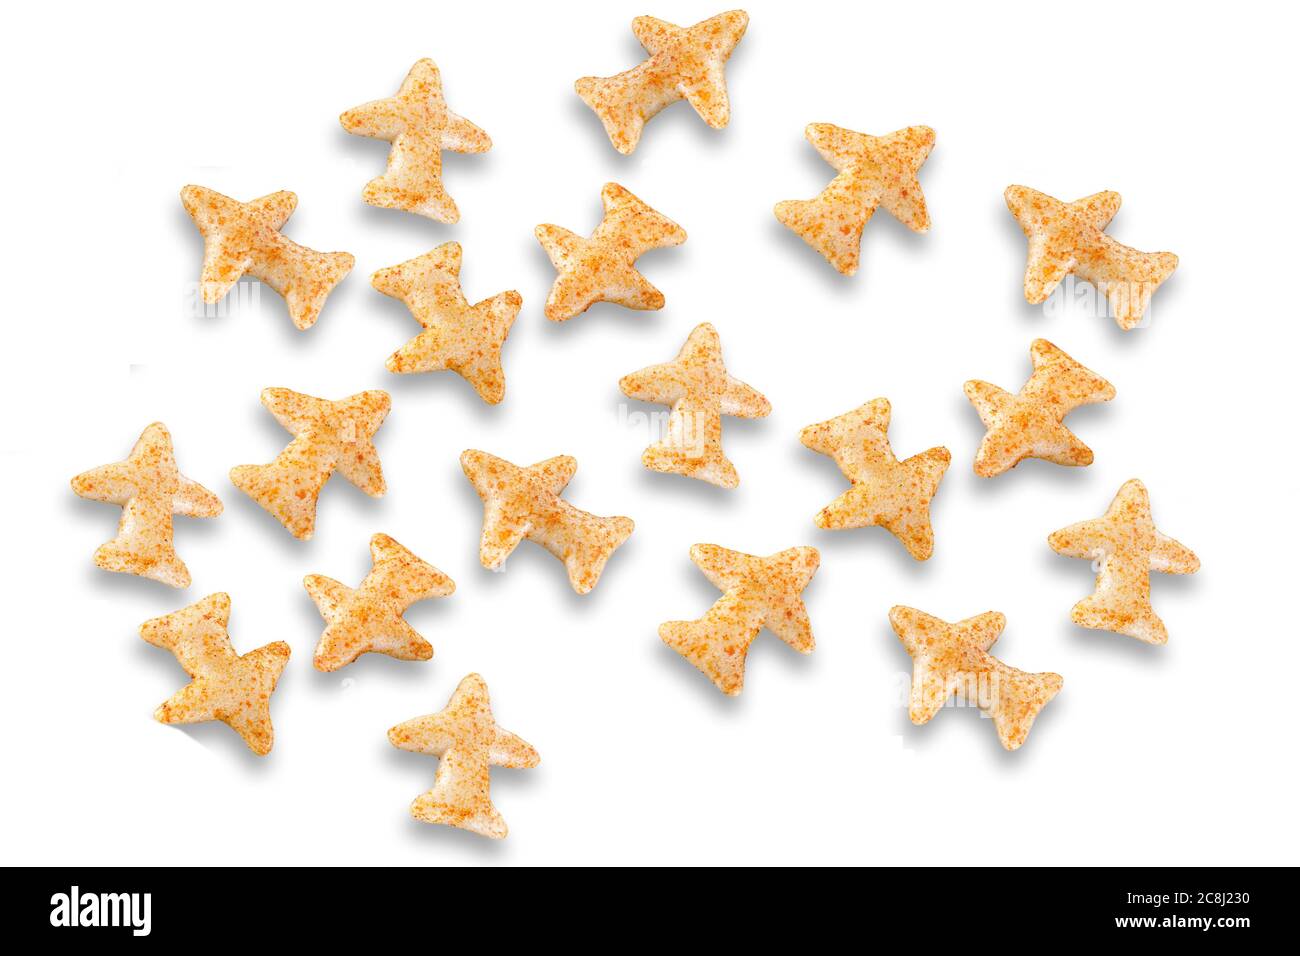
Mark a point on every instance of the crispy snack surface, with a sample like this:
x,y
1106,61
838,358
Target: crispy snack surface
x,y
521,503
700,391
1125,547
758,592
244,238
467,742
872,171
225,686
327,436
1070,237
602,268
885,491
369,618
1030,424
685,63
462,338
150,489
952,659
419,126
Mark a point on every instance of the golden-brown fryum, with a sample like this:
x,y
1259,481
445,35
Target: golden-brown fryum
x,y
326,436
244,238
602,268
700,391
521,503
885,491
225,686
419,126
369,619
150,489
758,592
463,338
1124,547
1029,424
952,659
1070,237
872,171
465,738
685,63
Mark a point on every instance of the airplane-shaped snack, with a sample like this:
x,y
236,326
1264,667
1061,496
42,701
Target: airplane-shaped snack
x,y
465,738
150,490
700,391
419,126
369,618
225,686
326,436
521,503
885,491
463,338
602,268
1029,424
1069,238
685,63
954,658
872,171
244,238
1125,548
758,592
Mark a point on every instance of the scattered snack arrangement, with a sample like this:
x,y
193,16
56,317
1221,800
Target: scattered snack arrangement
x,y
244,238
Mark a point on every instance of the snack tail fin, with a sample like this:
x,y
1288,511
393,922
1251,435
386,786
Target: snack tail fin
x,y
290,502
615,102
591,546
312,281
820,222
1020,697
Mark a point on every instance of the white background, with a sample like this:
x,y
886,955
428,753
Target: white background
x,y
1157,755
